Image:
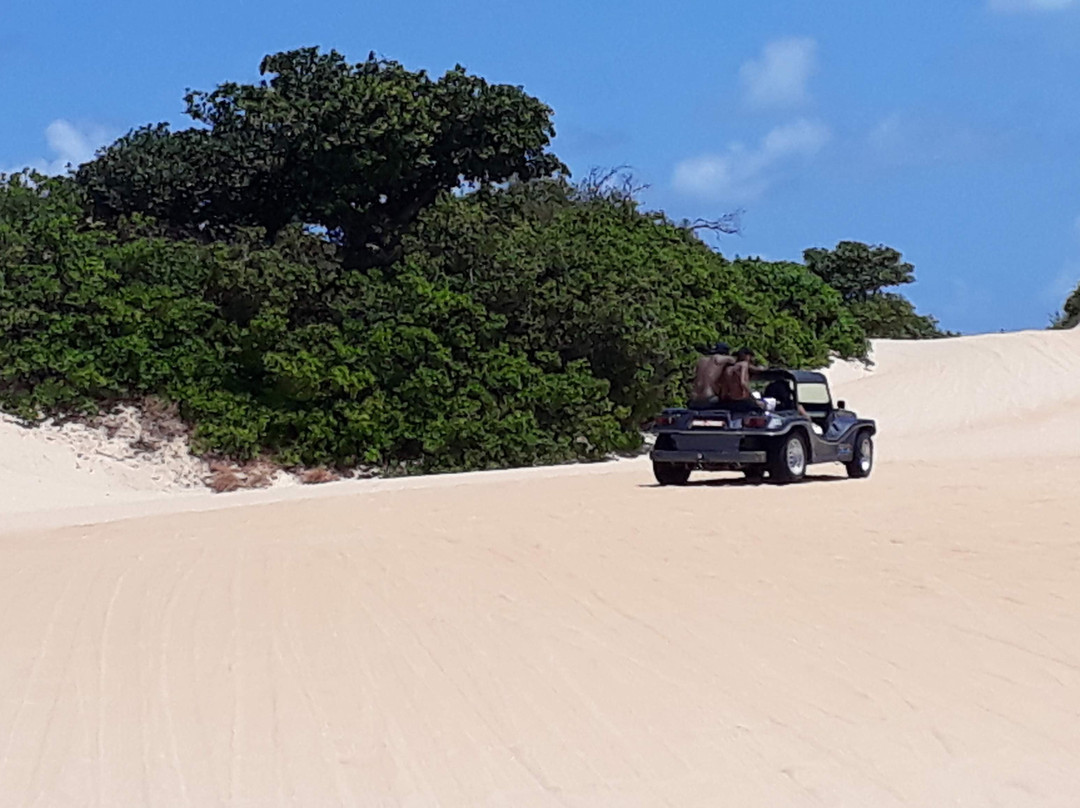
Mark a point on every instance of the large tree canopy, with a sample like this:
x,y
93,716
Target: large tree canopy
x,y
858,271
861,273
355,149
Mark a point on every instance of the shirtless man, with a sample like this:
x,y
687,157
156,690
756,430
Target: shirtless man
x,y
707,373
735,382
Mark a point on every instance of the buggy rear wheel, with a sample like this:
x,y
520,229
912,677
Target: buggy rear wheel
x,y
862,459
670,473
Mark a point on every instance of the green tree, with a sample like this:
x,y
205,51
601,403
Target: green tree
x,y
861,273
357,150
858,271
1069,317
890,315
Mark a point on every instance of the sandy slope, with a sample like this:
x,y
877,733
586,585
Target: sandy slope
x,y
994,395
585,639
71,465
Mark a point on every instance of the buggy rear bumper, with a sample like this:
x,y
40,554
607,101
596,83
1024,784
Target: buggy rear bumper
x,y
718,456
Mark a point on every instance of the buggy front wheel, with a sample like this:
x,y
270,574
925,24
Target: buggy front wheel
x,y
862,458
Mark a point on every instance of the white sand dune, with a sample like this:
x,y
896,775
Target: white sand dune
x,y
581,637
993,395
70,465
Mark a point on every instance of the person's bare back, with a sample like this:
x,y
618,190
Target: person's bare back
x,y
735,381
707,377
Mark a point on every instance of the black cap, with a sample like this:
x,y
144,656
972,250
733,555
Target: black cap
x,y
720,348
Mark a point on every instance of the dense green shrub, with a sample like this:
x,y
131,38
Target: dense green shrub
x,y
889,315
1070,313
275,349
595,278
522,325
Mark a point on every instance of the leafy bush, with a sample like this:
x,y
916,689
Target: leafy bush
x,y
1070,314
274,349
596,279
522,325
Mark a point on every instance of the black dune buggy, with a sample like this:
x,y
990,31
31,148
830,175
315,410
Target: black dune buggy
x,y
780,443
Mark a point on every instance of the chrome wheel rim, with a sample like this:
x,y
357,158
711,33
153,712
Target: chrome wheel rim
x,y
796,457
866,454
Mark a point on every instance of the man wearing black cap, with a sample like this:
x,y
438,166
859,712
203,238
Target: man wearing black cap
x,y
710,368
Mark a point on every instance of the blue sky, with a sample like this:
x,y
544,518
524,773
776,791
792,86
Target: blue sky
x,y
948,130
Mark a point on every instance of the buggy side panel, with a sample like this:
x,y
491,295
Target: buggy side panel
x,y
838,442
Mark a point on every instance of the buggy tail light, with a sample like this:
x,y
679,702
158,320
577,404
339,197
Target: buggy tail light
x,y
664,420
755,422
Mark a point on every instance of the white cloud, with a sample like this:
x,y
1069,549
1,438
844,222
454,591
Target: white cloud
x,y
779,77
69,145
903,140
742,174
1029,5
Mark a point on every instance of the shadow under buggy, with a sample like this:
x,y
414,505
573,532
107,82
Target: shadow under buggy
x,y
780,443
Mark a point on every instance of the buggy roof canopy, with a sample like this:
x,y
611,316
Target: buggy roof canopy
x,y
798,376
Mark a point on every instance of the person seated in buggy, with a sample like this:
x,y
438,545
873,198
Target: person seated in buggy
x,y
710,367
779,397
735,393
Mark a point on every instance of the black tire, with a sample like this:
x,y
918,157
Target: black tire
x,y
755,475
862,458
670,473
788,458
